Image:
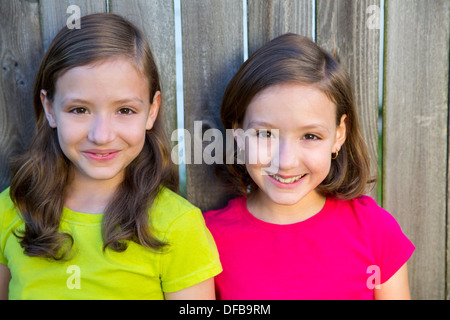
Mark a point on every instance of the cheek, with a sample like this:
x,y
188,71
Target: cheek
x,y
69,143
255,173
69,136
318,161
260,152
133,136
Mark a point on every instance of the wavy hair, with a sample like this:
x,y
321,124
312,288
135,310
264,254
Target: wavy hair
x,y
291,58
41,175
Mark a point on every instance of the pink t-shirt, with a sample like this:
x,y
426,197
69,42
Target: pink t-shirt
x,y
342,252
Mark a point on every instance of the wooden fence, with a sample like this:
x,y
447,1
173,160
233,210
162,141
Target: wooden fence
x,y
410,43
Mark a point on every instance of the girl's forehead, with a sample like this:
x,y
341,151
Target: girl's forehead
x,y
291,102
289,89
118,60
110,79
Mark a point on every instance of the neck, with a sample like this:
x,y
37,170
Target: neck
x,y
265,209
88,195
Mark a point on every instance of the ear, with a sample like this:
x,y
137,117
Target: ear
x,y
154,109
48,109
341,134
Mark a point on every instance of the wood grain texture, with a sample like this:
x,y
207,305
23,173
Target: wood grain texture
x,y
212,53
54,15
342,30
156,20
20,54
415,135
270,18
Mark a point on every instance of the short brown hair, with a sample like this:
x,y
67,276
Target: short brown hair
x,y
291,58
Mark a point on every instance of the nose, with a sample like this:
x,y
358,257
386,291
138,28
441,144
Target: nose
x,y
288,155
101,130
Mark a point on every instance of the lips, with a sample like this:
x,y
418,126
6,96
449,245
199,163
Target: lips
x,y
287,179
98,154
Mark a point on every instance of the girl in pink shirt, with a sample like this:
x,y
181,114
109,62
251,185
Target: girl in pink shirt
x,y
302,228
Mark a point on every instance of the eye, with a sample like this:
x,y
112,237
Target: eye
x,y
310,136
263,134
125,111
79,110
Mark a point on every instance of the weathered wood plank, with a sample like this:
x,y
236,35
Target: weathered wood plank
x,y
54,15
271,18
342,29
415,135
20,54
212,53
156,20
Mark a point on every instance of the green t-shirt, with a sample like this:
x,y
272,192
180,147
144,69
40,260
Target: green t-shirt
x,y
136,273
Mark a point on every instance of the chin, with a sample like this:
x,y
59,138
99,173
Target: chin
x,y
103,176
286,200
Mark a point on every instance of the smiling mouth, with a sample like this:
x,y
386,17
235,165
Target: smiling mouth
x,y
102,155
288,180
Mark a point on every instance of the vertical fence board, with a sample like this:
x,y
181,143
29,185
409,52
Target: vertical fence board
x,y
342,29
415,134
271,18
156,20
54,15
447,252
212,53
20,52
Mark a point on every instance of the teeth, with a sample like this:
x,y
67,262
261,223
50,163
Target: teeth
x,y
101,155
289,180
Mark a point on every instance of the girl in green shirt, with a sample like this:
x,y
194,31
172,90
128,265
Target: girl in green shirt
x,y
92,210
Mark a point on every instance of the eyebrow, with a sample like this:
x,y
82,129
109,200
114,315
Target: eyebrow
x,y
86,102
74,101
263,124
132,99
260,124
315,127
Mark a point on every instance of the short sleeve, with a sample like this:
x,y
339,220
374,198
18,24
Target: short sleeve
x,y
2,256
4,226
191,256
391,246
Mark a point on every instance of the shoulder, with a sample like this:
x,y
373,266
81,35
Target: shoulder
x,y
362,203
8,213
229,214
390,247
169,207
367,211
5,200
374,222
9,221
166,198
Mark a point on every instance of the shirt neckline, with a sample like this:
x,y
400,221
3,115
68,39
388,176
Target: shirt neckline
x,y
81,218
329,207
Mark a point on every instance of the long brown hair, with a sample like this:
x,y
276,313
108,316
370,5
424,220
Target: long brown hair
x,y
41,175
291,58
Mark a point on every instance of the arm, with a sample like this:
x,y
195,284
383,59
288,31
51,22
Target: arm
x,y
200,291
5,276
396,288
